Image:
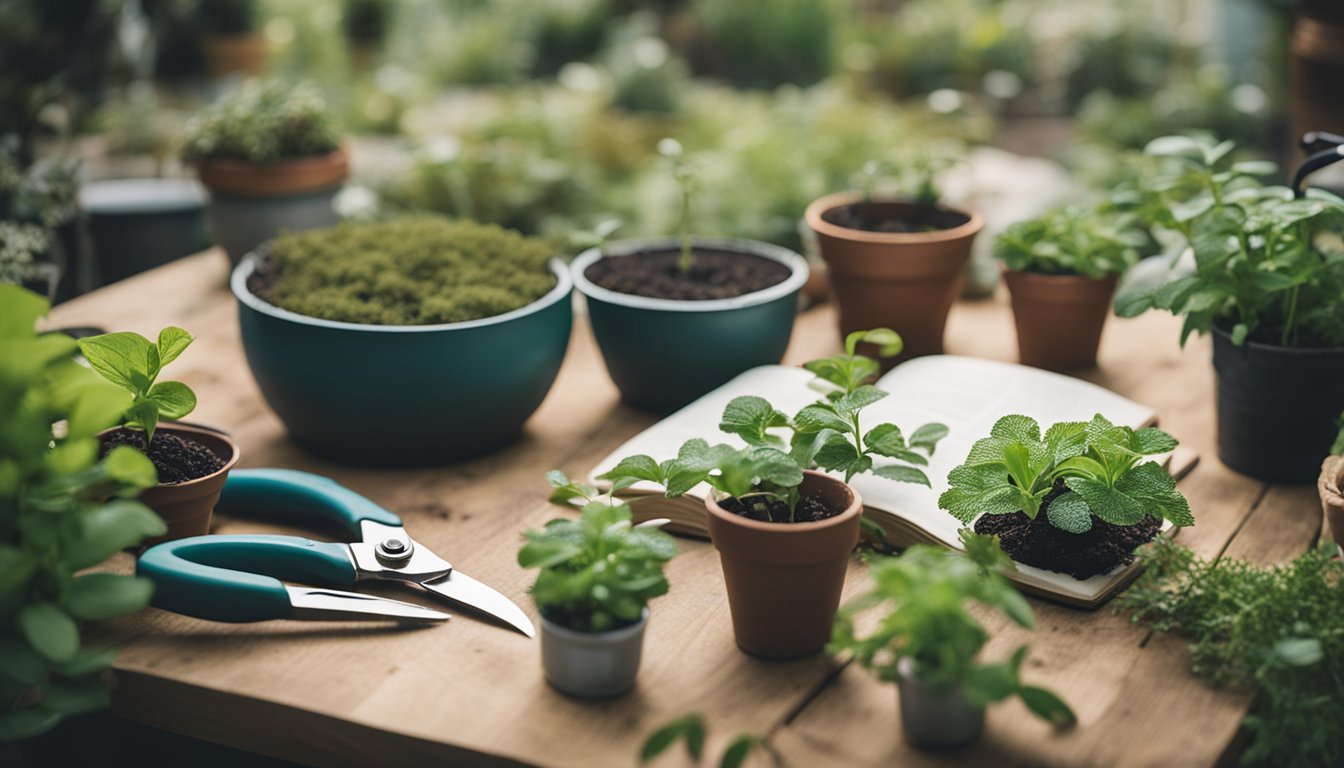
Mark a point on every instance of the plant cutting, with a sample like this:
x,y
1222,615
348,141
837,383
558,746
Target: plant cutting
x,y
62,510
690,729
458,328
1061,270
598,574
1263,274
929,643
715,307
271,156
192,463
1078,499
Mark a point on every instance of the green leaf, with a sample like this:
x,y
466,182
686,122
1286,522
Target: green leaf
x,y
16,567
131,467
87,662
75,697
862,397
640,467
172,341
738,749
18,724
72,456
902,474
126,359
819,416
749,417
49,630
144,415
96,405
1022,429
989,683
888,342
1107,503
1154,490
690,728
1175,146
174,399
19,312
19,663
1047,706
547,554
108,529
98,596
884,440
1069,512
1066,439
839,455
979,489
927,436
1150,440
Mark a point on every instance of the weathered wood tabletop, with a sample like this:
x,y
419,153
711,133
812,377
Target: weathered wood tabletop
x,y
471,693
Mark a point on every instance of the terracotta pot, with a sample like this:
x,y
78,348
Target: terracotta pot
x,y
1317,68
904,281
784,579
305,174
1059,317
1331,486
243,54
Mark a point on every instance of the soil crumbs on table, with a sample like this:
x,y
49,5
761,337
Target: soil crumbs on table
x,y
810,509
178,460
868,218
715,275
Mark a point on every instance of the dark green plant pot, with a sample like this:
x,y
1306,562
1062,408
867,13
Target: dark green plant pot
x,y
380,395
664,353
139,224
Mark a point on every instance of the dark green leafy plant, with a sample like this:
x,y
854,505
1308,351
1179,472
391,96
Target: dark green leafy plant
x,y
1278,629
61,511
263,122
598,572
928,589
1073,240
1100,464
690,729
133,363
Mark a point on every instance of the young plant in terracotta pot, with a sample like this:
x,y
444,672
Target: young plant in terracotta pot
x,y
192,462
1078,499
598,574
272,158
1061,270
929,643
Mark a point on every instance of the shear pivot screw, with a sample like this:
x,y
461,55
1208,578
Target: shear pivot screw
x,y
394,549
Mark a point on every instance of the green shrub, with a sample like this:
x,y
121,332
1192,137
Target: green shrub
x,y
1072,241
767,43
263,122
411,271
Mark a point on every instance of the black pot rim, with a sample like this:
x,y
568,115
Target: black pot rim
x,y
1274,349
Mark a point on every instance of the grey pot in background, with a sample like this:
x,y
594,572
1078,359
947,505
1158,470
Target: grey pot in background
x,y
592,664
239,224
936,721
138,224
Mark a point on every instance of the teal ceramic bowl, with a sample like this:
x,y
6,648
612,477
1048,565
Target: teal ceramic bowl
x,y
382,395
664,353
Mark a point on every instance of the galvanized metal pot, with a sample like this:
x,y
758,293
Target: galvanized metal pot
x,y
935,721
592,664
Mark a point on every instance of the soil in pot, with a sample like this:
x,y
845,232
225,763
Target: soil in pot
x,y
874,218
1081,555
809,509
715,275
178,460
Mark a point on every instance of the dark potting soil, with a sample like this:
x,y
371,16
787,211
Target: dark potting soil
x,y
1080,555
177,459
716,274
866,217
810,509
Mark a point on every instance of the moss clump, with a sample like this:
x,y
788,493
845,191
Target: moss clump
x,y
411,271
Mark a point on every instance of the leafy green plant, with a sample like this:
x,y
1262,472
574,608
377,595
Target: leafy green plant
x,y
1259,266
1098,465
685,177
690,729
1278,629
928,590
263,122
62,510
134,363
1073,240
598,572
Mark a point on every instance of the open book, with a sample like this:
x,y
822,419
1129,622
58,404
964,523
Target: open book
x,y
967,394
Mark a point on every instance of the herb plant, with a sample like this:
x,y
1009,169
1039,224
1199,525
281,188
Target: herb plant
x,y
1099,465
928,590
263,122
685,177
133,363
1073,240
690,729
1278,629
597,572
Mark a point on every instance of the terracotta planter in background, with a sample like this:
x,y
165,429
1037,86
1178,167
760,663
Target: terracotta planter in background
x,y
1331,486
1059,317
243,54
1316,69
784,579
904,281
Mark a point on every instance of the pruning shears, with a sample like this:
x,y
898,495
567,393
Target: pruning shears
x,y
237,578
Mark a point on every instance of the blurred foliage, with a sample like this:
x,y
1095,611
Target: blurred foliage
x,y
767,43
36,199
263,122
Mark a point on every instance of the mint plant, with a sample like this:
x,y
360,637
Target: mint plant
x,y
1074,240
597,572
133,363
690,729
685,178
1099,466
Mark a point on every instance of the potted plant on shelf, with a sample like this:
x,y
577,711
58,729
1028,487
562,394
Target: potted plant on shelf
x,y
929,643
784,531
456,331
192,462
1077,500
231,38
62,510
1061,270
272,158
598,574
675,318
1263,276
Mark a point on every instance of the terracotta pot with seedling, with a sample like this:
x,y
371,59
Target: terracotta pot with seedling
x,y
1077,500
929,644
598,574
784,530
675,318
1061,270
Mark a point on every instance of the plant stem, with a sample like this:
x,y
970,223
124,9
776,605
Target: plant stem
x,y
687,260
1287,338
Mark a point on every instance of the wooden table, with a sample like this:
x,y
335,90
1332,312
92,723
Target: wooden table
x,y
471,693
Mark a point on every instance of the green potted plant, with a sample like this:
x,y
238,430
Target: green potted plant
x,y
1262,275
1061,270
928,642
675,318
38,210
598,574
1078,499
784,530
408,341
231,38
272,158
62,510
191,462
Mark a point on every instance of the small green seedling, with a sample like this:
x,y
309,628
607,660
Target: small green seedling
x,y
685,177
133,363
691,729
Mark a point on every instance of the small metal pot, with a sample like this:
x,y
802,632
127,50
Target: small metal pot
x,y
592,664
936,721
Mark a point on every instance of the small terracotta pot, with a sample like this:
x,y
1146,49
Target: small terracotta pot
x,y
243,54
784,579
288,177
904,281
1331,486
1059,317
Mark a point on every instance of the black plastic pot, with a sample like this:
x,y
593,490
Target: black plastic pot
x,y
139,224
1276,407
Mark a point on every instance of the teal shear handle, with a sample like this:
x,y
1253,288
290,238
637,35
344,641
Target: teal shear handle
x,y
290,493
237,578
